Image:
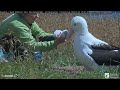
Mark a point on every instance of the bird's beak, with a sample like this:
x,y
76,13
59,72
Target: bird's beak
x,y
70,33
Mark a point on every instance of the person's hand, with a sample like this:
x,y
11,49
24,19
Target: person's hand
x,y
60,39
70,33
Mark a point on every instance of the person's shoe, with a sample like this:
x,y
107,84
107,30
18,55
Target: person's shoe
x,y
57,33
64,33
61,33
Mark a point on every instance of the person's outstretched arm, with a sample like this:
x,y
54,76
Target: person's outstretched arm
x,y
22,32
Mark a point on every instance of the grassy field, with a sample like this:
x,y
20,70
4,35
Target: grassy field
x,y
61,63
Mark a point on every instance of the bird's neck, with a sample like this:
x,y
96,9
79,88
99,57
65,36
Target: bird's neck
x,y
82,32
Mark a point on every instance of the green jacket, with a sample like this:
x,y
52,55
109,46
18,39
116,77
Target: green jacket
x,y
19,28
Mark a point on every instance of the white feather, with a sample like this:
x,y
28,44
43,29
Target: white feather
x,y
82,42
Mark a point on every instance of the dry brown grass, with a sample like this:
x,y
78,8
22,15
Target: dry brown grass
x,y
106,29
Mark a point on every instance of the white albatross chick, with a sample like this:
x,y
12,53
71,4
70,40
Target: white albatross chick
x,y
86,45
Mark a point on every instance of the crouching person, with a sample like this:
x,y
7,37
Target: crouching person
x,y
24,28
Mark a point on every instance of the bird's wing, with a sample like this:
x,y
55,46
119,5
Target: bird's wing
x,y
101,45
104,47
106,57
88,61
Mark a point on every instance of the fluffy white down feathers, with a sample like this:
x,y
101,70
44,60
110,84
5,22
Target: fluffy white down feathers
x,y
83,41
